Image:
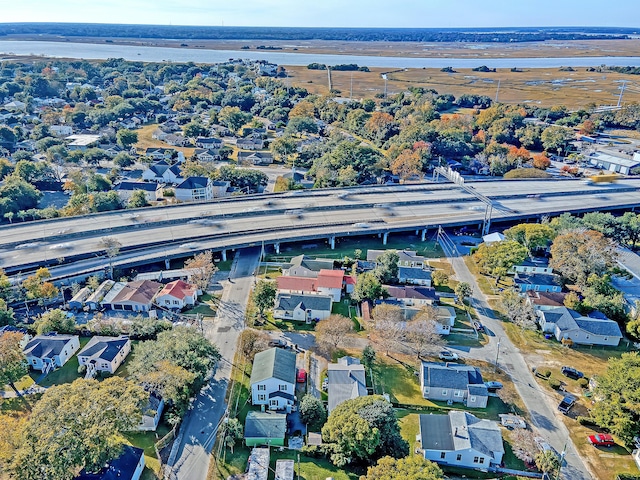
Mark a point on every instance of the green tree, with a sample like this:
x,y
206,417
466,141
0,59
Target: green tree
x,y
233,118
123,160
368,357
548,462
312,412
299,125
55,321
368,287
578,254
6,314
37,286
283,148
386,270
363,430
555,138
13,363
496,259
264,294
138,199
194,129
232,431
531,235
6,167
413,467
440,278
78,425
463,291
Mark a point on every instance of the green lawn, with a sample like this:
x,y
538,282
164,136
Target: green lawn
x,y
346,247
146,441
270,272
67,374
344,308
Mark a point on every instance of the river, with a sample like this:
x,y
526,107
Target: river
x,y
161,54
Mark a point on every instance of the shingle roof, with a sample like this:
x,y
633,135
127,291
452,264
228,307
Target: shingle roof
x,y
550,299
606,328
346,381
302,284
146,186
289,302
104,348
274,363
537,279
566,319
330,278
121,468
193,183
456,376
178,289
47,346
418,293
265,425
416,273
141,291
313,264
435,432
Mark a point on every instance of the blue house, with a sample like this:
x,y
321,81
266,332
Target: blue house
x,y
539,282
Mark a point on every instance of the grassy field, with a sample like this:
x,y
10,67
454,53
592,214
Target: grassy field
x,y
543,86
348,245
145,141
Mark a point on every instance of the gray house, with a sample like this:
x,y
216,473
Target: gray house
x,y
461,439
346,381
414,276
567,324
302,308
303,266
447,382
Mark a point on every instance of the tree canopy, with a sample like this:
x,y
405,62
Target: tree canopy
x,y
413,467
496,259
578,254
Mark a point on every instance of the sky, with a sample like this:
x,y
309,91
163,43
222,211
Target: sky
x,y
329,13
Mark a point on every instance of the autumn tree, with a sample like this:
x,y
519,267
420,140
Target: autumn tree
x,y
332,331
11,439
253,341
363,430
523,444
413,467
202,269
548,462
78,425
407,164
422,334
380,126
541,161
440,278
496,259
111,246
13,363
518,156
6,314
37,285
580,253
588,127
55,321
264,295
302,109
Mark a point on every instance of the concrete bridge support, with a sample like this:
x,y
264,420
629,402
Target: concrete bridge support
x,y
224,255
276,246
167,264
332,242
423,235
385,237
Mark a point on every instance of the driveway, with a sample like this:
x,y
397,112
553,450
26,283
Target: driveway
x,y
541,406
189,459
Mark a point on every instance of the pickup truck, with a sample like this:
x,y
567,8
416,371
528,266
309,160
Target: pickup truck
x,y
565,405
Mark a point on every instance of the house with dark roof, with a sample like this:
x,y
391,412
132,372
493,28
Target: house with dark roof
x,y
538,281
545,300
273,379
255,158
177,295
194,189
346,381
409,295
302,308
406,258
533,265
128,466
451,382
47,352
265,428
151,413
152,191
207,154
414,276
162,172
209,142
250,143
104,354
304,266
566,324
461,439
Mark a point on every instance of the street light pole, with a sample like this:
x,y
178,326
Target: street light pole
x,y
497,354
562,455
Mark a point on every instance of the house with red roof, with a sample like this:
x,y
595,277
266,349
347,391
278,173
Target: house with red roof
x,y
328,282
177,295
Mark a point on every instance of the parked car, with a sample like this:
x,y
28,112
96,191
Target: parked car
x,y
566,404
301,377
447,355
572,373
601,440
493,385
478,326
543,445
277,343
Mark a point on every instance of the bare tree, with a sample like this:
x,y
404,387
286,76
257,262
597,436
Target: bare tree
x,y
331,331
517,310
203,269
111,246
389,334
523,444
386,312
423,336
253,341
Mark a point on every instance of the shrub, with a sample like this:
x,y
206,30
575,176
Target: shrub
x,y
82,369
554,383
526,173
583,382
586,421
168,193
546,373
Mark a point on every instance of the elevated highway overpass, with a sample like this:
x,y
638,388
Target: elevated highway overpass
x,y
72,245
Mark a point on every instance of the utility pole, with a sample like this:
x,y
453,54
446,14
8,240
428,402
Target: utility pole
x,y
497,354
562,455
384,76
329,77
498,91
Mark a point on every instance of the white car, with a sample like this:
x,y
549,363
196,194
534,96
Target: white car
x,y
447,355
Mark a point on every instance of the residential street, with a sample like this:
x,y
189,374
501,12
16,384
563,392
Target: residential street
x,y
541,406
190,456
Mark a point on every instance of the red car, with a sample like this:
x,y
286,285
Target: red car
x,y
601,440
302,376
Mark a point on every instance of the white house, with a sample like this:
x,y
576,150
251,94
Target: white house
x,y
61,130
134,296
493,238
177,295
303,308
47,352
410,296
445,319
162,172
533,265
104,354
194,189
567,324
452,382
461,439
151,413
273,379
152,191
406,258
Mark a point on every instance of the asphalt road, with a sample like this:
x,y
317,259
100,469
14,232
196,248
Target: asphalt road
x,y
541,406
190,456
291,217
